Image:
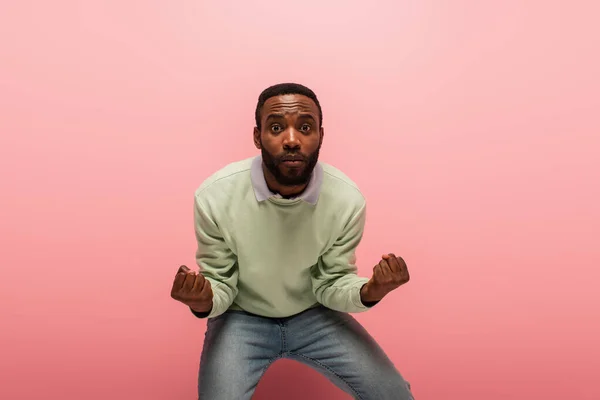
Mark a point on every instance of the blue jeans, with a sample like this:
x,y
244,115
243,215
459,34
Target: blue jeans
x,y
239,347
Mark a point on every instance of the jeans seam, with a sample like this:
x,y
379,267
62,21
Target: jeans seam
x,y
358,396
283,342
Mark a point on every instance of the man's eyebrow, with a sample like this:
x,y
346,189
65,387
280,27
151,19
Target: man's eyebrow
x,y
275,115
306,115
282,115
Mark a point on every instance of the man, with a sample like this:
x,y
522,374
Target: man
x,y
277,235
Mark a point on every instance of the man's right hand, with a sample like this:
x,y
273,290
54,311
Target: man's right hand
x,y
193,290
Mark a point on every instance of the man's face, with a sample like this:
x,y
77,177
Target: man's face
x,y
290,138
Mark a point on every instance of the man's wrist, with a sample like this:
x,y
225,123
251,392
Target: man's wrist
x,y
202,309
368,295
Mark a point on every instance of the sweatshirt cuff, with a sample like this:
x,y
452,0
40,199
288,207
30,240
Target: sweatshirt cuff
x,y
355,296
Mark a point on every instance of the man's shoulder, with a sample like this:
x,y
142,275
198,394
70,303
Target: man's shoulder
x,y
231,173
339,186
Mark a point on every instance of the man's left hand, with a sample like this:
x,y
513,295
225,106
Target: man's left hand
x,y
389,274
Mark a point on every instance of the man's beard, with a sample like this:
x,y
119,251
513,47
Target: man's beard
x,y
273,165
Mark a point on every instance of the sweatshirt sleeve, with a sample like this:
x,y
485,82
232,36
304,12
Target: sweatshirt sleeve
x,y
216,261
335,282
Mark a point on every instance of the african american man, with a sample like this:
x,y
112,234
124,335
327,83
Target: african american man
x,y
277,235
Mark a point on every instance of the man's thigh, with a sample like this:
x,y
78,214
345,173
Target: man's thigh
x,y
238,348
336,345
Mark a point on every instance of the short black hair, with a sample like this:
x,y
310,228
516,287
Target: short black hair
x,y
286,88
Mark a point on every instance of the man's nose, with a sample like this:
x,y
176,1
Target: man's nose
x,y
291,140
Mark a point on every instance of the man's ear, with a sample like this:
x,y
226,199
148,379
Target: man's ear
x,y
257,138
322,134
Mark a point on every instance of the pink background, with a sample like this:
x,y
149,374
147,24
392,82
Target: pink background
x,y
471,126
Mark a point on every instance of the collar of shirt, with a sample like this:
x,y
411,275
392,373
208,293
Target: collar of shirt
x,y
262,191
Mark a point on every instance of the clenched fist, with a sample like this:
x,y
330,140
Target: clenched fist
x,y
389,274
193,290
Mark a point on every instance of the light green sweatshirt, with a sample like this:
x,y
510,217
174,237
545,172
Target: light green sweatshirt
x,y
277,257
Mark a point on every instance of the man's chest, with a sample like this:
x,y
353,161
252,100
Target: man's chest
x,y
282,237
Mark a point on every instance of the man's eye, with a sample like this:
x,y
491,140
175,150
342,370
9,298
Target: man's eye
x,y
276,128
305,128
